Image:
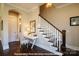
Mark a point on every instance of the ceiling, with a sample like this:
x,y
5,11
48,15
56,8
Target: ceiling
x,y
26,6
31,6
59,5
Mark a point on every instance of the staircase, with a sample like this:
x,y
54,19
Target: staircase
x,y
51,35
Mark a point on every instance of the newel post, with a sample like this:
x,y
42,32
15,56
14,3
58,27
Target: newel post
x,y
63,46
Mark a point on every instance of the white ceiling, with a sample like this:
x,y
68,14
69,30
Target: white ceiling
x,y
31,6
28,6
59,5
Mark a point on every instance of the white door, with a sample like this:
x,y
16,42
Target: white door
x,y
13,27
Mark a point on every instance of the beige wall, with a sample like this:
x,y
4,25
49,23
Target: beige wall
x,y
0,22
60,17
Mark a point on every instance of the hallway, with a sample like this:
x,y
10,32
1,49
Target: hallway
x,y
41,24
15,50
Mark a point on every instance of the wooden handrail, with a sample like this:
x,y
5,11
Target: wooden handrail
x,y
50,24
63,32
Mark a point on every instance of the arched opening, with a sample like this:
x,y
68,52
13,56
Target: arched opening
x,y
14,25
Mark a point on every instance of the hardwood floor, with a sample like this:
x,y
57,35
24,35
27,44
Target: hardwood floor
x,y
15,50
14,47
70,52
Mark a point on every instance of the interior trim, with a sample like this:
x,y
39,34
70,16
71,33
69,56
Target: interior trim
x,y
15,42
72,47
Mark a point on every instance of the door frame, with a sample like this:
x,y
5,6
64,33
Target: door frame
x,y
17,13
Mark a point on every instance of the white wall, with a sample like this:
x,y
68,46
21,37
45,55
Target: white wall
x,y
4,38
0,21
33,15
4,15
25,19
60,17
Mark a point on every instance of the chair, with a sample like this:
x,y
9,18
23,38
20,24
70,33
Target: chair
x,y
35,37
23,40
26,40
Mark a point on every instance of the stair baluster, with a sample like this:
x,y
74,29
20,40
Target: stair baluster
x,y
60,36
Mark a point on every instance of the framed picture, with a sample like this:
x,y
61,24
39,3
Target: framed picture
x,y
2,25
74,21
32,26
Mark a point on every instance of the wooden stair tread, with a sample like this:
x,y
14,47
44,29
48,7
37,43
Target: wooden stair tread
x,y
47,37
50,41
44,34
41,30
54,46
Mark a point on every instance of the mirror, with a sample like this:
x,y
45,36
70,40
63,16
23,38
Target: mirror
x,y
32,26
74,21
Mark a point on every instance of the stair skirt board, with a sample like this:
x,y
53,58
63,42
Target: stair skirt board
x,y
53,51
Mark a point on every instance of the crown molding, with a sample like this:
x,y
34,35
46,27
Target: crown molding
x,y
23,9
20,8
73,47
64,5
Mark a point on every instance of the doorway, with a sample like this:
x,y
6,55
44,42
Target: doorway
x,y
13,26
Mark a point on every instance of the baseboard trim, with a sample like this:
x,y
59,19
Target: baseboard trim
x,y
14,42
72,47
7,47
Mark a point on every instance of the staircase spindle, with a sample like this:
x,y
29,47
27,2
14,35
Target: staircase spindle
x,y
60,36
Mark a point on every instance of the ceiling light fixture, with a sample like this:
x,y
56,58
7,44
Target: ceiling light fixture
x,y
49,5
